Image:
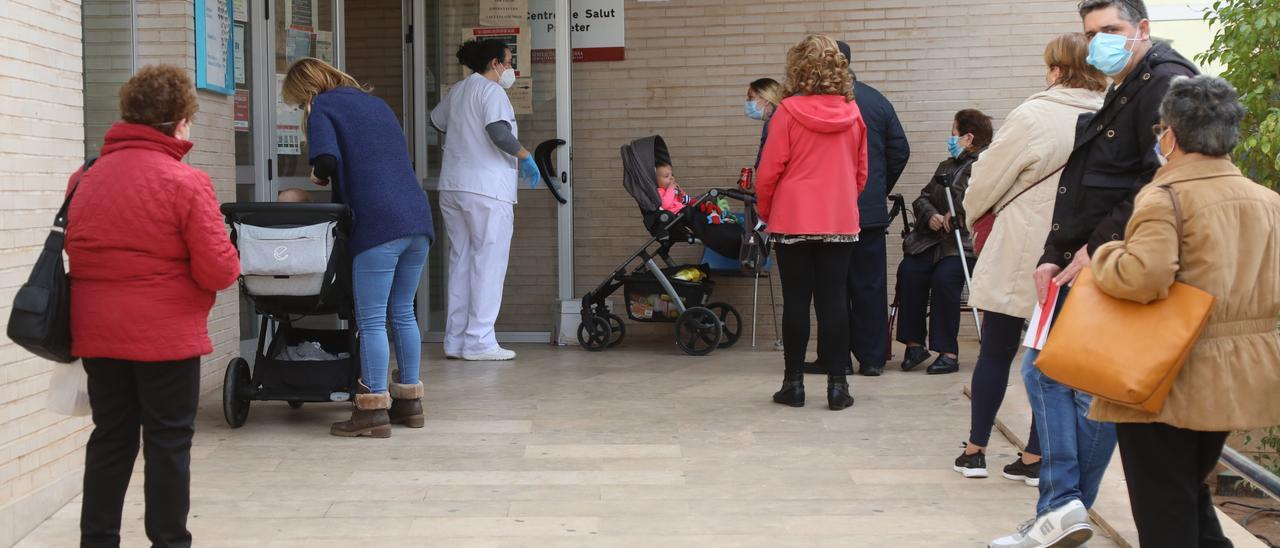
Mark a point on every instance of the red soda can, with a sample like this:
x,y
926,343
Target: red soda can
x,y
744,181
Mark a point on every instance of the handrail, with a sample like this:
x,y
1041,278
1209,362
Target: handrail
x,y
1255,473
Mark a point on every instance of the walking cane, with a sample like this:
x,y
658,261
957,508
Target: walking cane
x,y
964,259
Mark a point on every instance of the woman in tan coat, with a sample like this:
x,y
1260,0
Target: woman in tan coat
x,y
1016,178
1230,248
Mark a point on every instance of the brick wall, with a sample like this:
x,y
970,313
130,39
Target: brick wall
x,y
41,142
688,63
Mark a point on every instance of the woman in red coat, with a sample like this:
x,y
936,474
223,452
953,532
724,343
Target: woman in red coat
x,y
148,253
813,167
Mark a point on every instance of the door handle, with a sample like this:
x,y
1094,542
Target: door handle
x,y
542,157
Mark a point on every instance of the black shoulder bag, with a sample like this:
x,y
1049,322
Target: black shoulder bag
x,y
40,320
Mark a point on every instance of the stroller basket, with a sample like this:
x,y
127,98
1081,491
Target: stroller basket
x,y
647,301
291,377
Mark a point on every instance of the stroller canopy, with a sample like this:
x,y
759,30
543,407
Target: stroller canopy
x,y
638,175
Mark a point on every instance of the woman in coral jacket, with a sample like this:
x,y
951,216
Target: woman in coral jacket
x,y
813,167
148,252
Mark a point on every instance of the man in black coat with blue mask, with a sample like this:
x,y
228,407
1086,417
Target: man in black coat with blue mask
x,y
887,155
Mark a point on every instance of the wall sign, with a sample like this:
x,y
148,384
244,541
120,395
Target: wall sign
x,y
215,58
598,30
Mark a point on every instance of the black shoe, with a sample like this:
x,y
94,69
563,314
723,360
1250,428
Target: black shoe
x,y
838,395
1026,473
792,392
943,365
971,466
871,370
916,355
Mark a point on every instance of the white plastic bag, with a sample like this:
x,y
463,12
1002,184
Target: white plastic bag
x,y
69,390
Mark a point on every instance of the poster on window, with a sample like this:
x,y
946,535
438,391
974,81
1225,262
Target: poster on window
x,y
503,13
521,95
214,56
239,54
242,110
288,124
241,10
516,38
297,45
598,30
324,46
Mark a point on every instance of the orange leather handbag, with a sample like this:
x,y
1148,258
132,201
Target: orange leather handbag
x,y
1122,351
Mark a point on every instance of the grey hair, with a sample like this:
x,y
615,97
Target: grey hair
x,y
1133,11
1204,114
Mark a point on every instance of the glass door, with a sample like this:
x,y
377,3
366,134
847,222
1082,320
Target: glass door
x,y
536,278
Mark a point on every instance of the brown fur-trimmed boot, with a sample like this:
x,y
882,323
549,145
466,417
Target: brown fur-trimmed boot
x,y
368,418
406,405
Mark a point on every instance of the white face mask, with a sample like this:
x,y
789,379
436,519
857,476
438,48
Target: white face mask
x,y
507,79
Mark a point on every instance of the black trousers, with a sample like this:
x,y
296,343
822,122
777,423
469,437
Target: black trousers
x,y
1001,338
817,273
160,399
869,299
1166,468
926,289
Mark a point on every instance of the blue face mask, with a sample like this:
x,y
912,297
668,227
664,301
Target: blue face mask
x,y
953,147
753,110
1107,53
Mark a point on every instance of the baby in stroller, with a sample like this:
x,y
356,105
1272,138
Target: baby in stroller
x,y
714,222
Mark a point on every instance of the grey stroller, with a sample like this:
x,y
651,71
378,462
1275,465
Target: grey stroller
x,y
672,292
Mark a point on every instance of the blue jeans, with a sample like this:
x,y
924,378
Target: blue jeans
x,y
385,281
1076,450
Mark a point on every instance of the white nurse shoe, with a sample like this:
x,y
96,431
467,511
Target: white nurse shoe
x,y
496,355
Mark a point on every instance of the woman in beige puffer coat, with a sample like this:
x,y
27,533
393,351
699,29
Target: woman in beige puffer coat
x,y
1016,178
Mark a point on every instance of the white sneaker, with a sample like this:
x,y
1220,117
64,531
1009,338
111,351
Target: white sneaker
x,y
497,355
1065,527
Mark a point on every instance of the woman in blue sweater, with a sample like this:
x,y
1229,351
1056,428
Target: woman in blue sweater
x,y
355,139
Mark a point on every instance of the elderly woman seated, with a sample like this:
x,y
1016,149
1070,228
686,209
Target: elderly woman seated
x,y
1230,248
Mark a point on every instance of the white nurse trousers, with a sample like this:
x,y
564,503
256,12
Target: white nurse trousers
x,y
479,230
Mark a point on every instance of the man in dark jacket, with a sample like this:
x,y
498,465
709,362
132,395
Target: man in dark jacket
x,y
887,155
1113,158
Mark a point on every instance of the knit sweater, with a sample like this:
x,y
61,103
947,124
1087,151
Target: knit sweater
x,y
375,177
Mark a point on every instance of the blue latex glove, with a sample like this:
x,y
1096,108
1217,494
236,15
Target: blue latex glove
x,y
529,170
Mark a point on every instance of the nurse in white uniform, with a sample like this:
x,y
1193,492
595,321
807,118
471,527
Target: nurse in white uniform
x,y
483,164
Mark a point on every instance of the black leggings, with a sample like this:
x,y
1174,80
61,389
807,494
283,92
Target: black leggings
x,y
815,272
1001,336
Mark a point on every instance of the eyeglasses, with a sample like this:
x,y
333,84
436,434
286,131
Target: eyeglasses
x,y
1159,129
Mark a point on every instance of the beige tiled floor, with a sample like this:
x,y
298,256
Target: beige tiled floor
x,y
639,446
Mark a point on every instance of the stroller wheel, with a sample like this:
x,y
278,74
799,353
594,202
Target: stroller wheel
x,y
619,330
235,388
731,321
698,331
594,333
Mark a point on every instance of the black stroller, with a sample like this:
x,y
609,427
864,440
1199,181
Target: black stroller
x,y
673,293
294,264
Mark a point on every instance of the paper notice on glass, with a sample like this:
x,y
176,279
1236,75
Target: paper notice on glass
x,y
503,13
1042,319
515,38
239,54
288,124
301,14
324,46
242,110
242,10
521,95
298,45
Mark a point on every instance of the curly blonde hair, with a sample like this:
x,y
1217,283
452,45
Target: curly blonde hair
x,y
816,67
